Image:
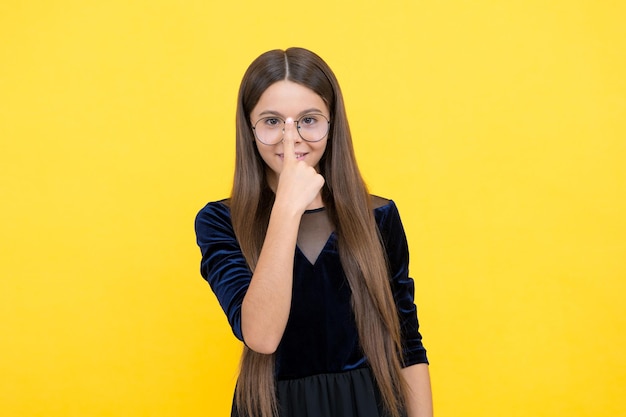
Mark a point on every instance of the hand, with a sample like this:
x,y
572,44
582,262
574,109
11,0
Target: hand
x,y
298,183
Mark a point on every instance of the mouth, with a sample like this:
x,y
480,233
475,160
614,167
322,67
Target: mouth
x,y
299,155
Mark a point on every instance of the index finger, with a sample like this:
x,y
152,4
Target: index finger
x,y
289,150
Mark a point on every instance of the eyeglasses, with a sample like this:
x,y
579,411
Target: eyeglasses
x,y
311,128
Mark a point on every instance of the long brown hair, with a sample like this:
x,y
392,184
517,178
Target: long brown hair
x,y
348,204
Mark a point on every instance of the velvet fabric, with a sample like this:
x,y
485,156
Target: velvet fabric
x,y
321,335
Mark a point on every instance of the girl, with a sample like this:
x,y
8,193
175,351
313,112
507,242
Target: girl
x,y
310,269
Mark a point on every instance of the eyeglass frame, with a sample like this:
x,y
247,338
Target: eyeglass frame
x,y
297,123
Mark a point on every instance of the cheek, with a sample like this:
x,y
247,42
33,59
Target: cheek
x,y
267,156
261,151
322,148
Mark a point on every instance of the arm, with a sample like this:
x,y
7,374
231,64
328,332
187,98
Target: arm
x,y
267,303
416,374
226,270
419,402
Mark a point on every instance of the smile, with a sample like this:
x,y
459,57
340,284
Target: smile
x,y
299,155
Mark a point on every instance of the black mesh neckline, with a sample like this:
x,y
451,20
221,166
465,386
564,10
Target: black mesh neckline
x,y
315,230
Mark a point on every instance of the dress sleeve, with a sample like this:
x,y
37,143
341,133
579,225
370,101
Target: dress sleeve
x,y
402,286
223,264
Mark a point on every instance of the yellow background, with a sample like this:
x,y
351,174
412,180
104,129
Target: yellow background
x,y
497,127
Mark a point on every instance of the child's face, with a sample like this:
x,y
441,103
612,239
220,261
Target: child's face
x,y
288,101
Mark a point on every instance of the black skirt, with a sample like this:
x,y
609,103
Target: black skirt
x,y
346,394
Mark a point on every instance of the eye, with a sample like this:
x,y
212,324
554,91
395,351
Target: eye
x,y
272,122
309,120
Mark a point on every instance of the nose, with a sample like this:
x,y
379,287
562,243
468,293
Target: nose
x,y
291,128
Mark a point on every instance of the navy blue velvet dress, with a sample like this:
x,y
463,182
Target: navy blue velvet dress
x,y
320,368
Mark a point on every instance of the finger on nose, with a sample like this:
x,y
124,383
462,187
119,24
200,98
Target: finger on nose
x,y
290,130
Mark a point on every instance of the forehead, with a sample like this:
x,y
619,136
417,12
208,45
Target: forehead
x,y
289,99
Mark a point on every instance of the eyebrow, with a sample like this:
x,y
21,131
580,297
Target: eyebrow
x,y
302,113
